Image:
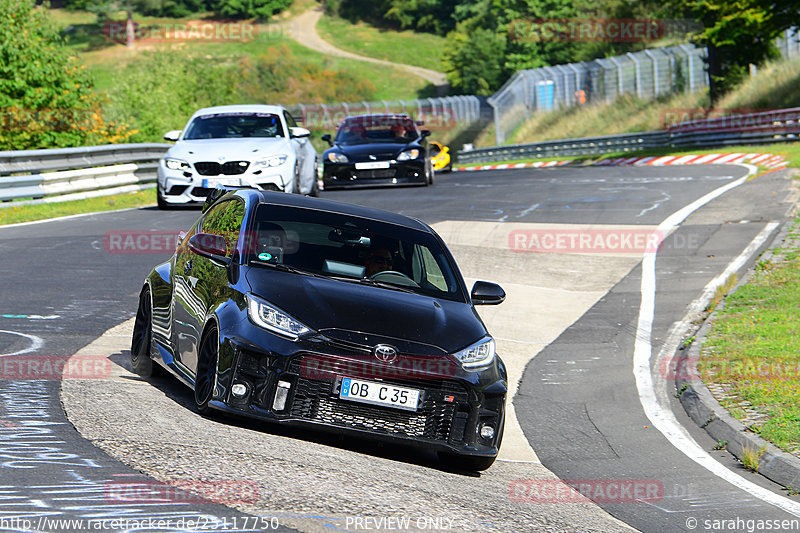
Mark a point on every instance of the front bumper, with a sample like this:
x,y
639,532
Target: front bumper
x,y
183,187
455,403
341,175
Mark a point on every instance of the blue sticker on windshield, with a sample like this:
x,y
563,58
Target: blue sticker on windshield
x,y
265,256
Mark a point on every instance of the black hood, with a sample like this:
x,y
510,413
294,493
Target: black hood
x,y
367,315
382,151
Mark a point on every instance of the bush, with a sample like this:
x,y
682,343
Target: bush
x,y
46,97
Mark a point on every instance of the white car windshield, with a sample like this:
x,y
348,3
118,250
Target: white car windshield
x,y
234,125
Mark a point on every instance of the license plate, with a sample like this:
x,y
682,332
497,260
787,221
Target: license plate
x,y
210,183
376,393
371,165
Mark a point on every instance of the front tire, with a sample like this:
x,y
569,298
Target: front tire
x,y
206,379
162,203
142,339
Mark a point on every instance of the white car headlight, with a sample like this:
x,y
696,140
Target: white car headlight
x,y
176,164
272,161
408,154
264,314
337,157
479,354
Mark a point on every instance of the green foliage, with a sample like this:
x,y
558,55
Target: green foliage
x,y
472,60
236,9
738,34
160,91
249,8
46,97
164,87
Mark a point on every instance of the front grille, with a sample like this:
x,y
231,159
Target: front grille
x,y
229,168
315,400
375,174
201,192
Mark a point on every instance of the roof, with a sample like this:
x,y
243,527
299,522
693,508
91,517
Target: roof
x,y
250,108
296,200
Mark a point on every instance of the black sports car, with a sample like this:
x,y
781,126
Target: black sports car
x,y
303,311
371,150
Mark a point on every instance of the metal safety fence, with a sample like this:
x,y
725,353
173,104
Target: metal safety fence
x,y
782,125
439,113
61,174
646,74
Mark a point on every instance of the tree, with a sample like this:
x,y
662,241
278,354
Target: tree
x,y
46,97
738,33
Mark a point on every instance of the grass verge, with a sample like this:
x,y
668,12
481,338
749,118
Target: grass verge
x,y
30,213
752,353
407,47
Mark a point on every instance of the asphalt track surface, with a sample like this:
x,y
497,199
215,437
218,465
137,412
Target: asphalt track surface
x,y
577,402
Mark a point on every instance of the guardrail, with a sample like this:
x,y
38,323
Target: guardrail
x,y
62,174
765,127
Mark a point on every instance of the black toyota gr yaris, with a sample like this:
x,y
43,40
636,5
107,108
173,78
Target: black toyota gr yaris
x,y
330,316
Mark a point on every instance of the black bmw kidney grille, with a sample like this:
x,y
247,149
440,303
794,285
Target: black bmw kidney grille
x,y
229,168
314,400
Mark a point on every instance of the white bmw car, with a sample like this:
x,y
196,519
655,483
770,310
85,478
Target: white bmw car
x,y
255,145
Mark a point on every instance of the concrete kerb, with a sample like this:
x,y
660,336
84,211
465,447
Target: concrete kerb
x,y
704,409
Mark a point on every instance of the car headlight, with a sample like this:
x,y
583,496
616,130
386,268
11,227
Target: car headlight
x,y
408,154
479,354
176,164
337,157
272,161
264,314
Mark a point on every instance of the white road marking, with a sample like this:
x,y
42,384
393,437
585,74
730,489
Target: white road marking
x,y
36,343
659,414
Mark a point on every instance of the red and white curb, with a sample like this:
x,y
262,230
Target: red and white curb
x,y
770,161
504,166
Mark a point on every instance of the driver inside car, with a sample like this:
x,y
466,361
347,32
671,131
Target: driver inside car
x,y
378,259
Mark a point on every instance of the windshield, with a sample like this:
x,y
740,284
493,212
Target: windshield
x,y
234,125
352,249
377,129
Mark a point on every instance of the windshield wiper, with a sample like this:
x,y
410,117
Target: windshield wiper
x,y
386,285
286,268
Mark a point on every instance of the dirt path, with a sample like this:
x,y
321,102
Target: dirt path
x,y
303,29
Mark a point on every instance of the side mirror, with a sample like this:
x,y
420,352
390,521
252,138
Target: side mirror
x,y
173,135
485,293
297,132
425,133
211,246
327,137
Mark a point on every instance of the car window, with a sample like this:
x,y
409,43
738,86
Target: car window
x,y
234,125
376,129
434,149
353,249
225,219
290,121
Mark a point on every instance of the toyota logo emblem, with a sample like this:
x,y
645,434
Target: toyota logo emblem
x,y
385,353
